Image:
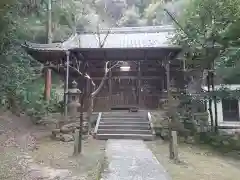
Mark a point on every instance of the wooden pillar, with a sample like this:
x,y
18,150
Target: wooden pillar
x,y
110,86
164,74
88,90
168,79
169,97
175,146
76,143
66,85
139,84
48,83
163,83
48,74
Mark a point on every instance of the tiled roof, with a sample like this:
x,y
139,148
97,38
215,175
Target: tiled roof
x,y
72,42
127,37
143,29
121,40
135,37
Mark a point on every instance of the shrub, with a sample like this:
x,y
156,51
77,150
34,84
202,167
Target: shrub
x,y
223,142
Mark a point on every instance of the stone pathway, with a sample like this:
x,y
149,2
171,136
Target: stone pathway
x,y
132,160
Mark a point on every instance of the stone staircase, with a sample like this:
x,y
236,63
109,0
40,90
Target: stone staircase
x,y
124,125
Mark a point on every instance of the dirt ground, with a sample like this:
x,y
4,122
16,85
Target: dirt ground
x,y
28,153
59,155
196,163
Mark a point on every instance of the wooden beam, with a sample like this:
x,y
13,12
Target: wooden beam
x,y
116,58
131,77
145,69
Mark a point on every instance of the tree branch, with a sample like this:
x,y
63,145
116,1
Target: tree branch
x,y
179,25
105,38
93,94
101,43
73,68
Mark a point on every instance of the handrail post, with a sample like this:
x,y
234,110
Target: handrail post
x,y
97,124
149,116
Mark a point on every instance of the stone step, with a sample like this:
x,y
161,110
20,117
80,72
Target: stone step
x,y
146,137
125,111
124,118
123,131
125,126
123,114
123,123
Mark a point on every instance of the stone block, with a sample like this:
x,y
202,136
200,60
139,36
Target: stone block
x,y
67,138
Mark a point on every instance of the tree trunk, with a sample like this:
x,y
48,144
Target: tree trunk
x,y
93,95
89,113
171,154
215,104
210,100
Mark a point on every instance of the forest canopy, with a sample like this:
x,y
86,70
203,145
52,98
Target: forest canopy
x,y
210,23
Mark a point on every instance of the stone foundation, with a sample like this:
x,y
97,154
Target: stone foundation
x,y
66,132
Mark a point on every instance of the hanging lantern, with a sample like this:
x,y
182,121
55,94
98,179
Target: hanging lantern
x,y
125,66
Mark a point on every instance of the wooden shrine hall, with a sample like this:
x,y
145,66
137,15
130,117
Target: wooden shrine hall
x,y
140,81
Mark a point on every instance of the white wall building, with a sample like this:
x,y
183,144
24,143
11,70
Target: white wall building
x,y
228,110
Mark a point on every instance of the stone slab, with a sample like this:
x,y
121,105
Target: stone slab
x,y
132,160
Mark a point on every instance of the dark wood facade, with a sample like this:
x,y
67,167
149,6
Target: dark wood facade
x,y
142,86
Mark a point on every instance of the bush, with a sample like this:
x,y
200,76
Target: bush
x,y
35,105
28,98
223,142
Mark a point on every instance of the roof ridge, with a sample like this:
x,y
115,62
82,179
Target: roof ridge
x,y
141,29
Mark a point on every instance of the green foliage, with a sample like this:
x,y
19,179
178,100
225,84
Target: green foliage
x,y
130,18
35,105
153,13
222,142
21,80
137,12
193,114
141,5
208,25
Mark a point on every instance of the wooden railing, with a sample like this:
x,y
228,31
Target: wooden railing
x,y
97,124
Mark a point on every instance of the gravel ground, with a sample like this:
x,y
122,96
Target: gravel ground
x,y
27,153
196,163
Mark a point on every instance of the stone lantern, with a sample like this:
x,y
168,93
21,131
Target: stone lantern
x,y
73,100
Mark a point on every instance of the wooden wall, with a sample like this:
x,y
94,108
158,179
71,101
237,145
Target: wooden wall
x,y
141,86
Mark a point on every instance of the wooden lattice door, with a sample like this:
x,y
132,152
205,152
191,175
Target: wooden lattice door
x,y
124,92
